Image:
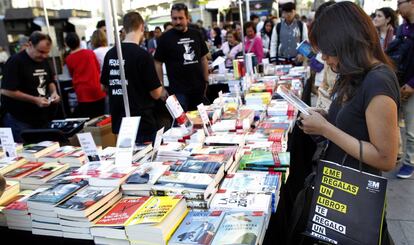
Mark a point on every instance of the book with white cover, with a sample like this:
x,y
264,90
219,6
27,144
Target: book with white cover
x,y
91,169
145,176
55,155
112,177
188,180
241,201
252,182
241,228
225,139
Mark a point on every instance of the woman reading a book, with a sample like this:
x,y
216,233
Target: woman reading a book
x,y
362,121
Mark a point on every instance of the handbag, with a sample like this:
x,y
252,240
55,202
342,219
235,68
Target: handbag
x,y
348,205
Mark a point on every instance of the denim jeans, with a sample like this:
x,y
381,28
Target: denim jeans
x,y
16,126
408,115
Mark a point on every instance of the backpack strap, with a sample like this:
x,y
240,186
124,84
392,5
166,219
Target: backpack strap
x,y
300,25
278,27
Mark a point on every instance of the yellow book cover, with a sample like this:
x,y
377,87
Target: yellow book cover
x,y
154,210
170,233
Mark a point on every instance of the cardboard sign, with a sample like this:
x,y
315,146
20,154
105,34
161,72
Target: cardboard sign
x,y
126,141
347,205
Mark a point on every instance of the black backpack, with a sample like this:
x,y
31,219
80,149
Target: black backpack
x,y
401,51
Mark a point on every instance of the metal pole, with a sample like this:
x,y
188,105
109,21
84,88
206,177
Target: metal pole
x,y
121,61
108,24
54,61
247,10
202,12
242,26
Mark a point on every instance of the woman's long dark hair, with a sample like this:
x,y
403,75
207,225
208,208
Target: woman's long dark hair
x,y
269,34
345,31
390,13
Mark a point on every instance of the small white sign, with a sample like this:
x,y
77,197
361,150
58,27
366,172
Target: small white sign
x,y
174,106
89,147
221,101
126,141
157,142
204,118
7,142
203,113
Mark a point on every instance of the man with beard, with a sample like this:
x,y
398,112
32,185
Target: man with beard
x,y
143,84
183,51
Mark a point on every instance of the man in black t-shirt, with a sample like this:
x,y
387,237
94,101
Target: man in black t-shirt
x,y
183,51
143,84
28,89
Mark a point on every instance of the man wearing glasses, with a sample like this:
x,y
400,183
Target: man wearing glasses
x,y
183,51
401,50
28,90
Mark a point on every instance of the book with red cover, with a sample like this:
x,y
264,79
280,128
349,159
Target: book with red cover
x,y
121,212
23,170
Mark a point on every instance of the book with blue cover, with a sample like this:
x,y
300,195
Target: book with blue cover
x,y
196,166
199,227
241,228
50,197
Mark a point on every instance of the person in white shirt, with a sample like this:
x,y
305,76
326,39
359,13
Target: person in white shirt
x,y
99,45
266,34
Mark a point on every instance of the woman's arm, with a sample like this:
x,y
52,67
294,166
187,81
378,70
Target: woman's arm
x,y
381,117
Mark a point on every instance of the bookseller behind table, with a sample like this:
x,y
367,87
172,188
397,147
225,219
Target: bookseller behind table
x,y
366,94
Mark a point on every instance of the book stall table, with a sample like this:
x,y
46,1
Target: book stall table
x,y
219,170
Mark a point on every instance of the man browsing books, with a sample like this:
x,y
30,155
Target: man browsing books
x,y
28,87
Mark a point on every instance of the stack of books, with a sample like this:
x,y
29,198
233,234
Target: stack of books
x,y
17,212
23,170
242,228
33,152
7,164
156,220
41,206
110,227
43,174
74,156
113,176
77,214
199,227
141,181
196,180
